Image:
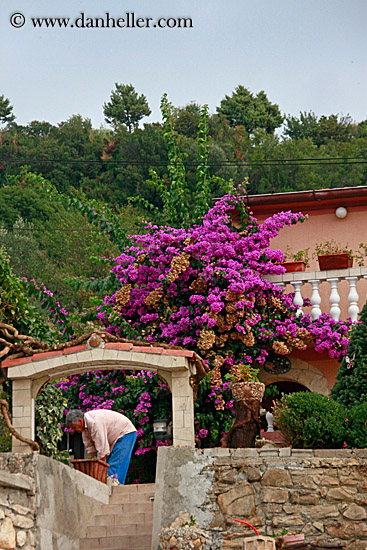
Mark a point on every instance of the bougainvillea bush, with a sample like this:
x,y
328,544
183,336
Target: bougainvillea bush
x,y
205,288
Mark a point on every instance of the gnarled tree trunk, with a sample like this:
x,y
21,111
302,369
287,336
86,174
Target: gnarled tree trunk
x,y
247,419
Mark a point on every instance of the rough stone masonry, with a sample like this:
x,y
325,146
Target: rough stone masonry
x,y
45,505
321,493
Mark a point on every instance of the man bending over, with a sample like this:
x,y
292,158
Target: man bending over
x,y
109,434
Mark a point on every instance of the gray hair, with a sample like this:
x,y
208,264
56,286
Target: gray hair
x,y
73,416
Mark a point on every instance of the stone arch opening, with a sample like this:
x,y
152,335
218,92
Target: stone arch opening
x,y
302,373
177,367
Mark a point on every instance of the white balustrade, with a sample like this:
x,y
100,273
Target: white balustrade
x,y
333,278
298,300
334,299
353,298
315,299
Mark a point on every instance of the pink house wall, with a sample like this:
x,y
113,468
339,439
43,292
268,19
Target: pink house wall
x,y
322,225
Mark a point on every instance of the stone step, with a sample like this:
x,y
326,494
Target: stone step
x,y
127,542
125,523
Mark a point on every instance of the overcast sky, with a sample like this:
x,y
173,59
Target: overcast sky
x,y
305,54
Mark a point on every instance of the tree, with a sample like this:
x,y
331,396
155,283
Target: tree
x,y
6,110
242,108
126,107
351,382
186,119
323,130
303,127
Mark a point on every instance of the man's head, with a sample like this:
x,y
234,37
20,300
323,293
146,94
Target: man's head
x,y
75,420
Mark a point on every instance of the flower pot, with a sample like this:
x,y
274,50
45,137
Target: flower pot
x,y
293,539
93,467
290,541
248,390
335,261
292,267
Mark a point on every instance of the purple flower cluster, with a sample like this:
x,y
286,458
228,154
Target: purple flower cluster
x,y
207,282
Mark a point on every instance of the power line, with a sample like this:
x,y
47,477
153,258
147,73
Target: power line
x,y
237,163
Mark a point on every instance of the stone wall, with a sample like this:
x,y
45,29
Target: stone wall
x,y
17,502
320,493
45,504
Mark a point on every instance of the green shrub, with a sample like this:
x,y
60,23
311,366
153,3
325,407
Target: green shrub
x,y
50,406
357,426
5,435
311,420
351,381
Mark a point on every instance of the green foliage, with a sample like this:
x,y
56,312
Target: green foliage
x,y
331,247
299,256
351,382
174,195
203,181
15,307
271,390
242,108
5,435
34,246
50,406
186,120
6,110
126,107
311,421
322,130
112,165
179,209
357,426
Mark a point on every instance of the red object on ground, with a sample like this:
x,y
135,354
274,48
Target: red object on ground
x,y
276,437
249,524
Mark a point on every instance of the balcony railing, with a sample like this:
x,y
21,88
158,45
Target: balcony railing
x,y
328,301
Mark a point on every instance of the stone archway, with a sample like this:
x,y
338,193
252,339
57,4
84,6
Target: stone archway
x,y
29,374
302,372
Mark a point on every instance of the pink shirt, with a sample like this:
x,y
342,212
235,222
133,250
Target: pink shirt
x,y
102,429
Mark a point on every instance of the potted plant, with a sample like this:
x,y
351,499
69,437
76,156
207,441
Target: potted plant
x,y
332,255
245,383
296,261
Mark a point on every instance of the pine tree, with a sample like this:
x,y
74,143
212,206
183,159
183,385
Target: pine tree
x,y
351,386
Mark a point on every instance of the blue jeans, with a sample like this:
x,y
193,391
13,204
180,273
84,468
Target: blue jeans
x,y
119,459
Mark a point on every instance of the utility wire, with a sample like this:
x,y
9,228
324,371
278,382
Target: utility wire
x,y
240,162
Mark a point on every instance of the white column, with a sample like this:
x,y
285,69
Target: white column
x,y
23,414
182,409
353,297
334,299
298,300
315,299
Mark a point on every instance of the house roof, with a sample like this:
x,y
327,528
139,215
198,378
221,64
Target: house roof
x,y
313,199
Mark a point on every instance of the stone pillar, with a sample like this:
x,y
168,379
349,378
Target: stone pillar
x,y
182,409
23,414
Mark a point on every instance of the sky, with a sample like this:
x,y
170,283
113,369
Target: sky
x,y
307,55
